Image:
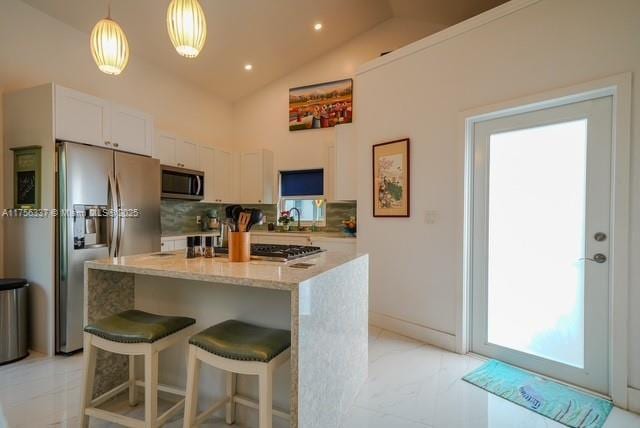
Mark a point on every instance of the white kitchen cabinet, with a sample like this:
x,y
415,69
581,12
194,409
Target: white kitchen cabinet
x,y
164,148
173,243
180,243
174,151
91,120
256,177
207,156
166,245
223,176
280,238
217,167
81,118
342,180
131,130
187,154
334,244
337,245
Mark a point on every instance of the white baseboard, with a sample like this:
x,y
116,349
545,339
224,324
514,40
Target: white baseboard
x,y
415,331
633,398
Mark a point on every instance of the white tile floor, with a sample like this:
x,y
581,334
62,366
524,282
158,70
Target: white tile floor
x,y
410,385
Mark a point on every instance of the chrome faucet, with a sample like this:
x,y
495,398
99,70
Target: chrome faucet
x,y
298,211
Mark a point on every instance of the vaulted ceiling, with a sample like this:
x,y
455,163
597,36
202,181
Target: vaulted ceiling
x,y
275,36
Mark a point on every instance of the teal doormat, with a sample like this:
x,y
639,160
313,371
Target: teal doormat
x,y
559,402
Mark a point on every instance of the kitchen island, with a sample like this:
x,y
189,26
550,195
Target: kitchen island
x,y
324,305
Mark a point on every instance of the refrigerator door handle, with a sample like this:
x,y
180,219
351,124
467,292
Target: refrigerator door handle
x,y
113,220
118,219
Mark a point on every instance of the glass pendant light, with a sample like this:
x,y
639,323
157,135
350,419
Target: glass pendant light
x,y
187,27
109,46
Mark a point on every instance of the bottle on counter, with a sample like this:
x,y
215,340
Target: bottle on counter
x,y
190,251
208,247
197,245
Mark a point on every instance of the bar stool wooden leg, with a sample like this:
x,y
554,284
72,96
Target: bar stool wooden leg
x,y
265,399
132,380
191,402
150,388
232,380
89,376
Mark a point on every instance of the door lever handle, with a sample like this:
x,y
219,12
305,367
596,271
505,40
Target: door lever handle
x,y
598,258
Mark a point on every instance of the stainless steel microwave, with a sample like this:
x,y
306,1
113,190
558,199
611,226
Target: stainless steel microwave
x,y
181,183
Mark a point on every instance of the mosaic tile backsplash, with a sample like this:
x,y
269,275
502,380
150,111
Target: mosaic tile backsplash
x,y
179,217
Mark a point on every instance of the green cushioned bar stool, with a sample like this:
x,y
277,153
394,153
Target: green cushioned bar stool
x,y
132,333
237,348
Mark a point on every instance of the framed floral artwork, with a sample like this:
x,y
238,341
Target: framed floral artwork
x,y
391,179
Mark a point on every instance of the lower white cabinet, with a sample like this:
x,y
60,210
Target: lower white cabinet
x,y
280,239
166,245
329,243
173,243
336,245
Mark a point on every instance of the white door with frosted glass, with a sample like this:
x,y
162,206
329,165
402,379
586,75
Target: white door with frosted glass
x,y
541,228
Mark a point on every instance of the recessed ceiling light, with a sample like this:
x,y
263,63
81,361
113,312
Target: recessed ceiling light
x,y
248,67
317,26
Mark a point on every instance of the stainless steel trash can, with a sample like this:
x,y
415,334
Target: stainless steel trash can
x,y
13,320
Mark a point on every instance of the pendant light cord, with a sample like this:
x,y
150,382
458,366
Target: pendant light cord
x,y
109,9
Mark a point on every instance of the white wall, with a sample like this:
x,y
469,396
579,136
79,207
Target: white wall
x,y
36,49
416,268
261,119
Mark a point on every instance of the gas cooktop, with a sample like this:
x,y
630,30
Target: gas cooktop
x,y
275,252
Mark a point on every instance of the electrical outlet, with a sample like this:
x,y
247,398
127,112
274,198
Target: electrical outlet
x,y
431,217
198,219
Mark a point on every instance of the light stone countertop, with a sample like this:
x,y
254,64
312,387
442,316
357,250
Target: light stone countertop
x,y
256,273
323,235
317,235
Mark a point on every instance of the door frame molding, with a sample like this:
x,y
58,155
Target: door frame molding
x,y
619,87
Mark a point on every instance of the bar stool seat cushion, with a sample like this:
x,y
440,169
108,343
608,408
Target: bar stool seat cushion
x,y
134,326
238,340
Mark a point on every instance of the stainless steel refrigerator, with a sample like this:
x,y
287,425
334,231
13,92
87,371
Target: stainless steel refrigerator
x,y
92,184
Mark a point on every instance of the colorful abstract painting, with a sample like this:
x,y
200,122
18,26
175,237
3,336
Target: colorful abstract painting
x,y
321,106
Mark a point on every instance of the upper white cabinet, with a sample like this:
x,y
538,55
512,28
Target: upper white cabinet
x,y
86,119
256,177
131,130
164,148
217,168
342,180
223,176
81,118
187,155
174,151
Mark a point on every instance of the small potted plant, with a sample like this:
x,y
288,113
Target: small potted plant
x,y
350,226
284,219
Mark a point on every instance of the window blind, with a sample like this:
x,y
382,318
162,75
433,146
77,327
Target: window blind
x,y
309,182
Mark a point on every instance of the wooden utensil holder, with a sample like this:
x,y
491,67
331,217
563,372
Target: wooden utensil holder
x,y
239,246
